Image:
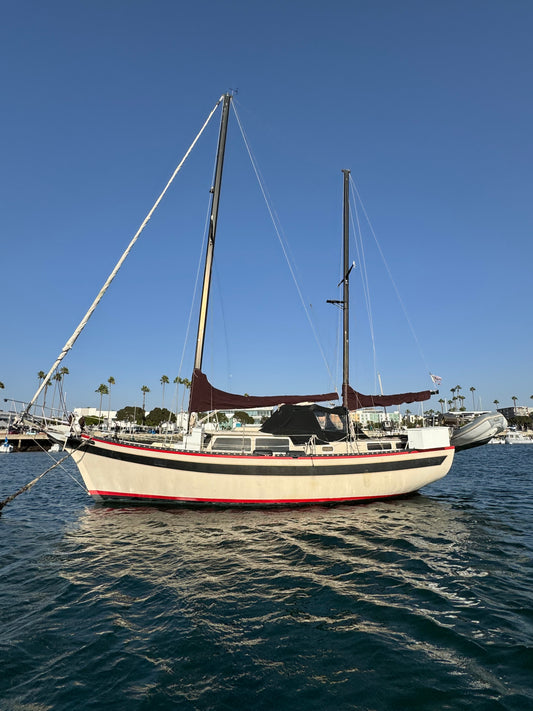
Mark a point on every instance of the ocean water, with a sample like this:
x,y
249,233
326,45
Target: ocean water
x,y
420,603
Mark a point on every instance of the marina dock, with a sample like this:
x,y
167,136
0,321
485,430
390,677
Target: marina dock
x,y
27,442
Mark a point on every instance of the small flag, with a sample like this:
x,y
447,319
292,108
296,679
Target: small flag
x,y
436,379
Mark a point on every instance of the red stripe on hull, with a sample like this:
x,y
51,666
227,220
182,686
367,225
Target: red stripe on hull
x,y
241,502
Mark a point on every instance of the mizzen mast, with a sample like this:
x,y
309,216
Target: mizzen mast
x,y
345,302
346,290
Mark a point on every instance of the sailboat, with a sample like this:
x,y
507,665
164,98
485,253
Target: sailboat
x,y
305,453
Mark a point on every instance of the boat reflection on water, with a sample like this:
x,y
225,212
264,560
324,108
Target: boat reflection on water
x,y
339,558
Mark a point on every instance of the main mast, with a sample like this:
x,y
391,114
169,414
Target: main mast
x,y
215,190
212,233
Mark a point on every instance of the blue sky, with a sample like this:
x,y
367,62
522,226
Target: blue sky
x,y
428,103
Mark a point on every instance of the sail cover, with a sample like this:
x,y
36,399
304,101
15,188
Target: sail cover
x,y
357,400
205,397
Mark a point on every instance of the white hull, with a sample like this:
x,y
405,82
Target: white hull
x,y
130,473
518,438
512,439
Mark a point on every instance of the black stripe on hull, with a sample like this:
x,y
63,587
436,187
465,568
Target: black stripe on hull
x,y
366,466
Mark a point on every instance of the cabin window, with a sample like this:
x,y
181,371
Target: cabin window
x,y
232,444
272,444
378,446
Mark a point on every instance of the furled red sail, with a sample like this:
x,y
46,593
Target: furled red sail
x,y
357,400
205,397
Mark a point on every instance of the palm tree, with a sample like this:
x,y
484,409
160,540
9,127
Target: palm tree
x,y
102,390
496,402
41,375
111,381
56,377
62,373
164,381
442,403
472,390
145,389
177,382
46,386
452,390
514,399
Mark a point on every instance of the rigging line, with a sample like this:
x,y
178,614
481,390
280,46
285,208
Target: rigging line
x,y
38,443
69,344
197,278
72,477
282,243
391,278
218,284
30,484
339,329
195,290
360,247
340,324
338,349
